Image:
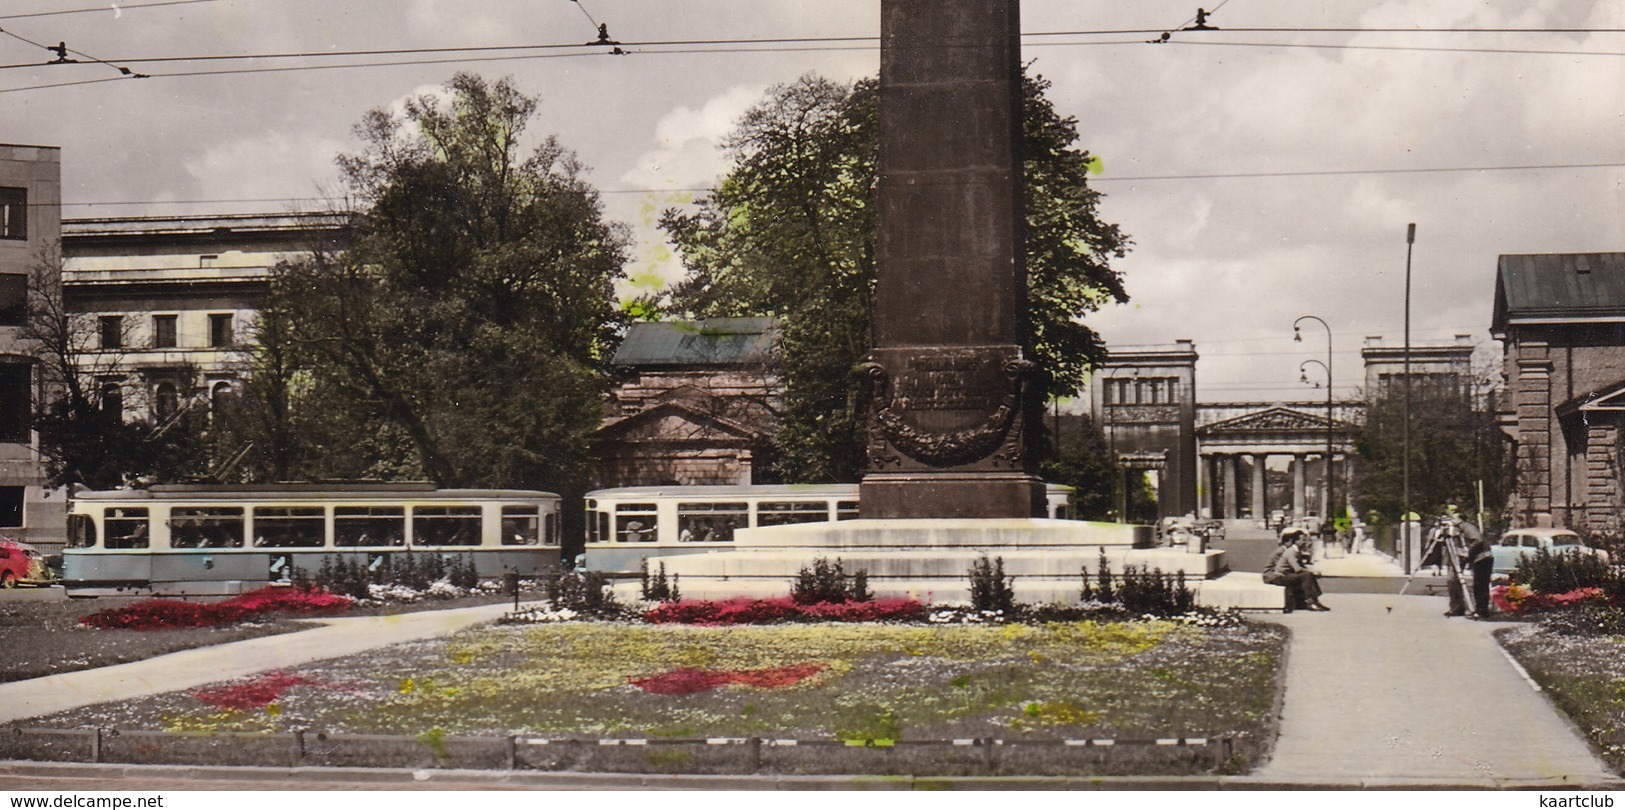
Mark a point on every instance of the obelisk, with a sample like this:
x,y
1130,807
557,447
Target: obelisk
x,y
946,427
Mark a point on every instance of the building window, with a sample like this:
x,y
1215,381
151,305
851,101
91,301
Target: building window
x,y
13,213
220,331
11,507
13,299
113,400
166,400
15,402
111,329
163,331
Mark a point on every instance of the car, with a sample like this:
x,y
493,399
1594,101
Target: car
x,y
1519,543
22,564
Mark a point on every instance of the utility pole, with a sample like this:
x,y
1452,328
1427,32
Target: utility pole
x,y
1404,520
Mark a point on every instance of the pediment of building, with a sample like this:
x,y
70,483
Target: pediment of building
x,y
1278,419
675,421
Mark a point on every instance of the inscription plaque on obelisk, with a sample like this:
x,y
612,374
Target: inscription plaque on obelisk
x,y
947,420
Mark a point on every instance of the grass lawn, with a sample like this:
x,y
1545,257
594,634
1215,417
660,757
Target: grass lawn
x,y
1585,676
1140,679
43,636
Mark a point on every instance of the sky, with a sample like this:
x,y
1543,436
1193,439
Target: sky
x,y
1262,175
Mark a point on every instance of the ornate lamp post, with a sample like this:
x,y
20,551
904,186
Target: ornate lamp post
x,y
1297,336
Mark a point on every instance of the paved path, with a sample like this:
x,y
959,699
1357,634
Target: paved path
x,y
187,669
1376,694
1384,689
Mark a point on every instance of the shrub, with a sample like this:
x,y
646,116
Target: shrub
x,y
1103,580
584,592
990,589
656,587
687,680
1155,593
1545,572
828,582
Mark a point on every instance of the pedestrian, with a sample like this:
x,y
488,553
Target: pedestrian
x,y
1289,568
1472,554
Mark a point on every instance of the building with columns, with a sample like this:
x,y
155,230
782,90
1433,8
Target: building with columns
x,y
1251,450
1561,320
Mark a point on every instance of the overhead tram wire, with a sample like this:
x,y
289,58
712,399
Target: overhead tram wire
x,y
62,50
1144,178
113,7
835,41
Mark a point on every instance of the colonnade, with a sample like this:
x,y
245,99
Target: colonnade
x,y
1222,474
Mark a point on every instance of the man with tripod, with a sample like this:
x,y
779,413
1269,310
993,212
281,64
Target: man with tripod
x,y
1465,543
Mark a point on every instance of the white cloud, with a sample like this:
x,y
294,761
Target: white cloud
x,y
687,152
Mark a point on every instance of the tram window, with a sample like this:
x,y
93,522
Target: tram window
x,y
783,513
710,522
551,528
206,527
369,526
126,528
603,528
635,523
290,526
81,531
520,526
846,510
446,525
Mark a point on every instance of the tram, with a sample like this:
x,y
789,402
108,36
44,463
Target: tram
x,y
627,524
199,540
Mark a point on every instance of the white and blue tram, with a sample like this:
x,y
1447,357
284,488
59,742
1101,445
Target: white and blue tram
x,y
185,539
627,524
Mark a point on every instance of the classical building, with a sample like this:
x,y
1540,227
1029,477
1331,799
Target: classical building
x,y
1245,459
173,300
30,225
1144,401
1561,320
692,402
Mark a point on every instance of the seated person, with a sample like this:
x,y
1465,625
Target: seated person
x,y
1289,568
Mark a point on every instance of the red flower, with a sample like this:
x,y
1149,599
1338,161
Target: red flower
x,y
687,680
781,609
165,614
253,694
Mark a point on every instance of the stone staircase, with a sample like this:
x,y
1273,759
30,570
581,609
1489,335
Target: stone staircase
x,y
929,559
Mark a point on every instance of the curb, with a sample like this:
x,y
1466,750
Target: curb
x,y
392,778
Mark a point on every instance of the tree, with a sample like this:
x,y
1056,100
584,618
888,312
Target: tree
x,y
1081,460
83,438
1454,446
463,334
790,232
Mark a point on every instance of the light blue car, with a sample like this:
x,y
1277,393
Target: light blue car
x,y
1519,543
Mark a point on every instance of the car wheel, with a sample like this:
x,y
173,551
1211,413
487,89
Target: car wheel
x,y
8,580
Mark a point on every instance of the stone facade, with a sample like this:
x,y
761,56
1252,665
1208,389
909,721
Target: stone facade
x,y
173,300
1561,320
692,404
30,228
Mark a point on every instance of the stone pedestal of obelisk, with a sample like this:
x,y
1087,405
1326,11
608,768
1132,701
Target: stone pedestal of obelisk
x,y
947,424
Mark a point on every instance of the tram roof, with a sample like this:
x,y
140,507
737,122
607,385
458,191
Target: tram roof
x,y
390,491
739,491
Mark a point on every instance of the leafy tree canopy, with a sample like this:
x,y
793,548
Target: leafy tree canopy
x,y
1454,445
790,233
463,333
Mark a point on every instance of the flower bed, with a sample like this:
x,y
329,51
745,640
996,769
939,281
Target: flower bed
x,y
782,609
1520,599
166,614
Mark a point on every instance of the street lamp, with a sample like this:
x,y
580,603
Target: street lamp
x,y
1297,337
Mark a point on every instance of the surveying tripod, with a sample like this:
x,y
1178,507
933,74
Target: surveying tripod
x,y
1446,540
